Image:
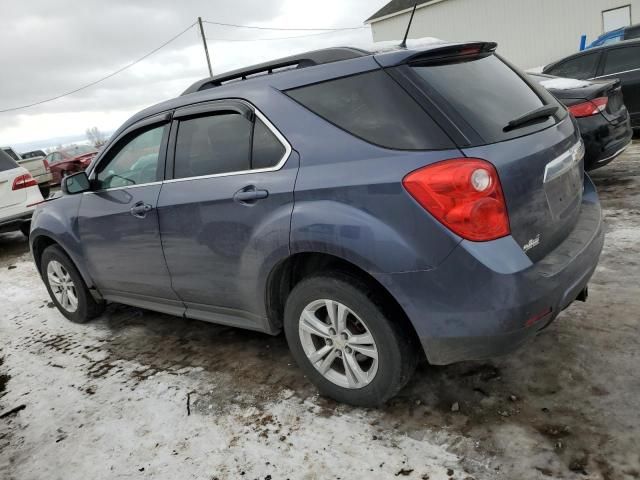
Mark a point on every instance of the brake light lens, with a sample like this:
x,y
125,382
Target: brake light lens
x,y
465,195
24,181
590,108
47,167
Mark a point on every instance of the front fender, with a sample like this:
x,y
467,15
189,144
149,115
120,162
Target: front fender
x,y
57,221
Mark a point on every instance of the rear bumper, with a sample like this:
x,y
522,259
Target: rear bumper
x,y
604,140
486,299
14,222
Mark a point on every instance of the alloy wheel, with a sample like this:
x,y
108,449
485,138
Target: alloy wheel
x,y
338,343
62,286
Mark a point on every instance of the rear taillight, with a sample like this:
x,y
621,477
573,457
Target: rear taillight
x,y
24,181
465,195
587,109
47,167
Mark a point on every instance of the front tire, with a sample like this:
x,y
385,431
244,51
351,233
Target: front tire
x,y
67,289
343,338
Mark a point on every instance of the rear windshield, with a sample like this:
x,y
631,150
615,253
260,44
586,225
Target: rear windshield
x,y
11,153
486,94
6,162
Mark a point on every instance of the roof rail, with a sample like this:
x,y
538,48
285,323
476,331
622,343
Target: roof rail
x,y
309,59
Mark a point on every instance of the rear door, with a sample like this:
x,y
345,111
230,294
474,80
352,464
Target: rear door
x,y
623,62
225,216
118,220
539,162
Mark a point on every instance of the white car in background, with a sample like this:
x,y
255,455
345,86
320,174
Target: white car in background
x,y
37,166
19,193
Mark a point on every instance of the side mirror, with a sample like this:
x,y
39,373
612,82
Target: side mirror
x,y
76,183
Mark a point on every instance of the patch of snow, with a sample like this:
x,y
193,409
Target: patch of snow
x,y
535,69
559,83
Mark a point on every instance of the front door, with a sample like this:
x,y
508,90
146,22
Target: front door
x,y
118,222
225,216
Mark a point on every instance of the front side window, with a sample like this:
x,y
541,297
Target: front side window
x,y
134,162
224,143
622,59
582,67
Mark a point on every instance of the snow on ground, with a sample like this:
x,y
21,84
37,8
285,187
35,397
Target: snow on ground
x,y
136,394
89,415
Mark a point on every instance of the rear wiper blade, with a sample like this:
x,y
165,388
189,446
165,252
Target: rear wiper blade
x,y
542,112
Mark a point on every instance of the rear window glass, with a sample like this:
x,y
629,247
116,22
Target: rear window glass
x,y
373,107
6,162
11,154
582,67
486,93
622,59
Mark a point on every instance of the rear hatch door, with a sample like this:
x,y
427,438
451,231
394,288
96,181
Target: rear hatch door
x,y
539,161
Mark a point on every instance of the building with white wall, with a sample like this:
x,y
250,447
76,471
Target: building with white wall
x,y
529,33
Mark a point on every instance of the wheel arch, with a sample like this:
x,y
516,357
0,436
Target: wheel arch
x,y
290,271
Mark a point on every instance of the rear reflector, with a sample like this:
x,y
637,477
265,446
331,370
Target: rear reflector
x,y
24,181
538,317
465,195
590,108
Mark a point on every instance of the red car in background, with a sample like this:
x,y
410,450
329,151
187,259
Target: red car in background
x,y
70,160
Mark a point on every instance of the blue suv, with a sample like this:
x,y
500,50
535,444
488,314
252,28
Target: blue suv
x,y
376,207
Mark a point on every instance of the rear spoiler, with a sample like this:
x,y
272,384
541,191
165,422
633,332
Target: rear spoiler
x,y
436,53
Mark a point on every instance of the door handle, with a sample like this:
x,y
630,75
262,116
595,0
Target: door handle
x,y
141,209
250,194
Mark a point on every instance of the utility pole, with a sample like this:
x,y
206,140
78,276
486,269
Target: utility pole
x,y
206,49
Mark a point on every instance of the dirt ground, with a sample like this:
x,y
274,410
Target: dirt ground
x,y
137,394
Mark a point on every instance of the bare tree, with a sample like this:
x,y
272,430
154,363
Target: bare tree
x,y
96,137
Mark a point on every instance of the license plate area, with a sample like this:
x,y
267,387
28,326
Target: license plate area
x,y
563,181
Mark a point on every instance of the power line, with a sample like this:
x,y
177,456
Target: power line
x,y
267,39
284,29
79,89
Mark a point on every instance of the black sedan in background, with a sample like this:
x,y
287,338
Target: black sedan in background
x,y
599,109
619,60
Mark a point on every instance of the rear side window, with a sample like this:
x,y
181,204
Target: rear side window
x,y
486,94
622,59
582,67
6,162
373,107
224,143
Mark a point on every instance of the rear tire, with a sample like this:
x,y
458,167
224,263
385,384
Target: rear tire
x,y
363,359
66,287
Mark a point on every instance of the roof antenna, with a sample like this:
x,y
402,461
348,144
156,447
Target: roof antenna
x,y
406,34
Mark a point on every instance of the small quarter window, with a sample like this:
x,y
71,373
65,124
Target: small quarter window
x,y
267,149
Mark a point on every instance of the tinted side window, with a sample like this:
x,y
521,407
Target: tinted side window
x,y
134,161
622,59
267,150
212,145
6,162
582,67
374,107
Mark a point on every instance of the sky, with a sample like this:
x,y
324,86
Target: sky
x,y
48,48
